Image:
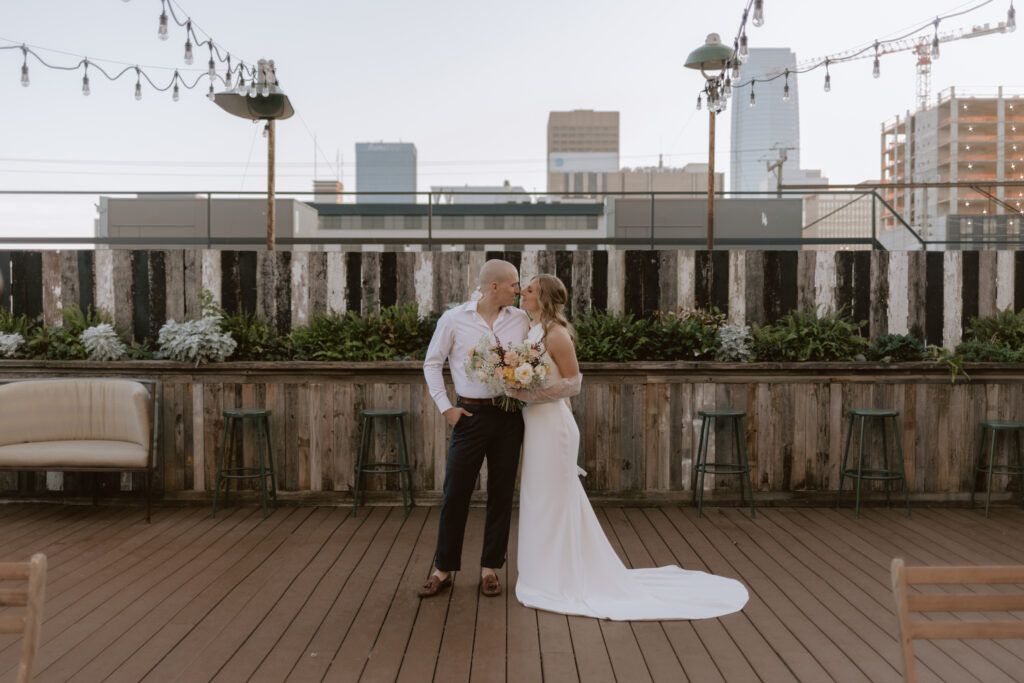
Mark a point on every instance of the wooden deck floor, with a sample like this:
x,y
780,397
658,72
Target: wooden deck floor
x,y
312,594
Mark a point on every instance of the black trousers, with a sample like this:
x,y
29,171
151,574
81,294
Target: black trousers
x,y
496,435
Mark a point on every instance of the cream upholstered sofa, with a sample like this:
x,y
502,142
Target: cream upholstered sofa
x,y
95,424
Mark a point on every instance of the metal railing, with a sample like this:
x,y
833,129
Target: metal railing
x,y
658,232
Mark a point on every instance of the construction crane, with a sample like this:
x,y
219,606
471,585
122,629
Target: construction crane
x,y
924,46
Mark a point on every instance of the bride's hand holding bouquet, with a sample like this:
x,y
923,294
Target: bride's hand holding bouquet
x,y
508,369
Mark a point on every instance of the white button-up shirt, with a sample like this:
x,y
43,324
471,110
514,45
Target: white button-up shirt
x,y
457,333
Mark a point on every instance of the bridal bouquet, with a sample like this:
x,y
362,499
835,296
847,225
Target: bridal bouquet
x,y
504,368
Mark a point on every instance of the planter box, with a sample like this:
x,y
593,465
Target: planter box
x,y
638,424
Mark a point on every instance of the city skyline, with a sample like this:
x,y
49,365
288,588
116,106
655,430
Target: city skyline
x,y
472,88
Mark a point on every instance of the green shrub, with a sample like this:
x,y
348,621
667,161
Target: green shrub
x,y
403,331
334,337
896,348
687,335
255,338
1005,329
610,337
64,342
808,336
975,351
12,324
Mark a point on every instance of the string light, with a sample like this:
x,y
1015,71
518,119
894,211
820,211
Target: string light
x,y
188,43
828,78
162,31
24,67
758,19
698,103
752,100
192,41
785,90
727,90
741,46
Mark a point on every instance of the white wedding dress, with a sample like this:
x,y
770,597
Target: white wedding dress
x,y
566,563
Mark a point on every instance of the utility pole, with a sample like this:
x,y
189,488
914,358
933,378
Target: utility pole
x,y
777,167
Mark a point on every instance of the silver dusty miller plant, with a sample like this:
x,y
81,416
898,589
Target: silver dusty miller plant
x,y
735,343
102,342
9,344
196,341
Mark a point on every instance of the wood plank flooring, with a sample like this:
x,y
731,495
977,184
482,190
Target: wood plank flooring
x,y
312,593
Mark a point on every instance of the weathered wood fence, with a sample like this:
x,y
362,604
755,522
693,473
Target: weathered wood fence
x,y
934,293
638,424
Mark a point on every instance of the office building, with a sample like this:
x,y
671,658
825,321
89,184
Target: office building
x,y
762,134
386,167
582,146
971,136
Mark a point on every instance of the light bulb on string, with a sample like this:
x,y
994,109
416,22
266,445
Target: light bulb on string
x,y
85,80
758,18
176,95
138,84
935,41
752,100
252,86
727,89
876,70
744,51
162,31
785,90
188,42
1011,18
211,70
266,129
828,78
735,69
209,95
24,67
227,76
698,103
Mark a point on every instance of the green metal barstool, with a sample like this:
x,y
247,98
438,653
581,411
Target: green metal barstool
x,y
885,472
234,420
401,466
733,418
995,426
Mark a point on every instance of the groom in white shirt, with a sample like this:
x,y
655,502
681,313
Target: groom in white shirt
x,y
480,428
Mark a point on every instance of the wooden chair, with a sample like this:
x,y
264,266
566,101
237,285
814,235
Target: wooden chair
x,y
30,596
903,576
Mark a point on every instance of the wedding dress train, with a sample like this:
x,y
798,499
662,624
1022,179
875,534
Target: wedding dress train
x,y
566,563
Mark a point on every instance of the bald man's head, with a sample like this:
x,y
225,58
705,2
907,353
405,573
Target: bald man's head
x,y
496,271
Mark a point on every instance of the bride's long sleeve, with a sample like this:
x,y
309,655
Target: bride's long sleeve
x,y
563,388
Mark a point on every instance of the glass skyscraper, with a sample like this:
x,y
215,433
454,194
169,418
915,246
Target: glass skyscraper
x,y
759,133
386,167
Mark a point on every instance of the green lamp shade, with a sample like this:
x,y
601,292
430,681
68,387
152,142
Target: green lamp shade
x,y
711,56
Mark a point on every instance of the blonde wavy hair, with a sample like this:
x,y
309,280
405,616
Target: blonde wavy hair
x,y
551,297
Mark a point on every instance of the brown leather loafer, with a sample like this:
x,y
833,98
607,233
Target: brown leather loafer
x,y
489,586
434,585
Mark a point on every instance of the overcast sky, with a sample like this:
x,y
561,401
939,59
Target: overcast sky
x,y
469,83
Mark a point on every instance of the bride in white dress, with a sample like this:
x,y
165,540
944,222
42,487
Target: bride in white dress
x,y
566,563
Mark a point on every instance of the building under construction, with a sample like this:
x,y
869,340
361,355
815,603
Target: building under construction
x,y
972,142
